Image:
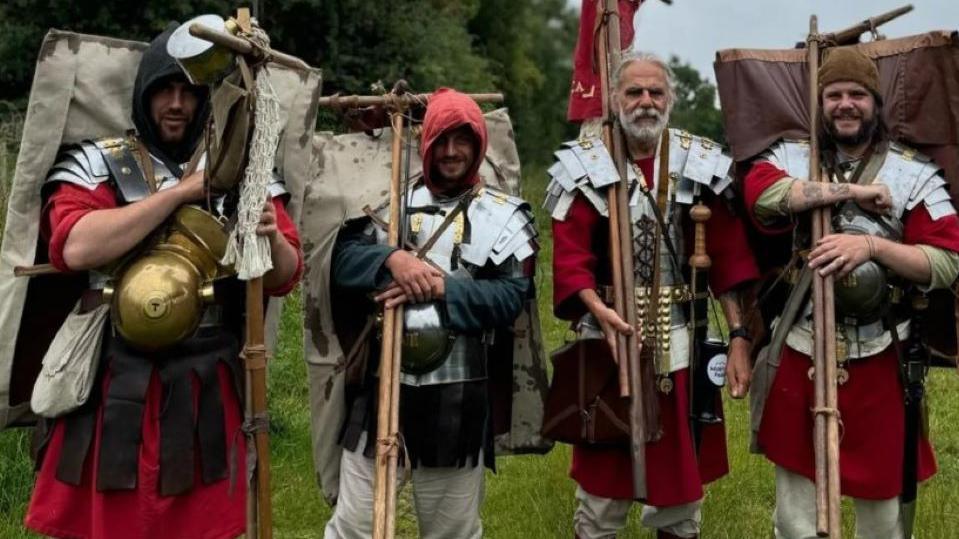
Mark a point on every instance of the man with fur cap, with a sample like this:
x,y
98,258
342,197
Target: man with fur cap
x,y
896,235
473,278
158,447
668,171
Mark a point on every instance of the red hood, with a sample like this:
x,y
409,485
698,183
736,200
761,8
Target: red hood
x,y
449,109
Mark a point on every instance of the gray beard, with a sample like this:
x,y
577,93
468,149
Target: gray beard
x,y
645,136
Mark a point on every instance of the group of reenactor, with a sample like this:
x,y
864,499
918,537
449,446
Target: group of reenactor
x,y
158,449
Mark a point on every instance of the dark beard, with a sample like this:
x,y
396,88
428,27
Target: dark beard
x,y
867,130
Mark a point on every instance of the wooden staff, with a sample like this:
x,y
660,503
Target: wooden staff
x,y
387,423
404,100
244,47
621,249
826,426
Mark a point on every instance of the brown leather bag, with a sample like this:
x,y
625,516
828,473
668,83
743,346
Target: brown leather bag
x,y
583,405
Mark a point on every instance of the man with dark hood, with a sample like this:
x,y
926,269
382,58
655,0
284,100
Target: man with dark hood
x,y
158,447
474,278
895,233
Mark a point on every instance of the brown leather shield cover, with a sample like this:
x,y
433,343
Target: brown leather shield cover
x,y
763,93
583,405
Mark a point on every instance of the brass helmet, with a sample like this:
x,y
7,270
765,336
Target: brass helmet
x,y
426,341
157,299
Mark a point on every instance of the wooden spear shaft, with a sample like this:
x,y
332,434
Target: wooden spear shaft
x,y
404,100
612,203
621,251
387,425
254,354
825,424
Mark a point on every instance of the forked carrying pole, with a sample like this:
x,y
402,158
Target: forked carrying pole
x,y
826,413
621,249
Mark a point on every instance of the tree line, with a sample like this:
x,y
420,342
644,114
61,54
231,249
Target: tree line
x,y
522,48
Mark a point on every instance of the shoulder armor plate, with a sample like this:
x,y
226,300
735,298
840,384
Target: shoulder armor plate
x,y
697,161
80,164
582,165
501,226
126,172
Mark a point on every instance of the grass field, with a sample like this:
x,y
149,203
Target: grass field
x,y
530,496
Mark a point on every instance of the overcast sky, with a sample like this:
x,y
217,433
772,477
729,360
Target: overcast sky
x,y
695,29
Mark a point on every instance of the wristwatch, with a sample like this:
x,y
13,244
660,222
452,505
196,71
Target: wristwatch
x,y
740,332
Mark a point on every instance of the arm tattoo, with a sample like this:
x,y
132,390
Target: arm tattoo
x,y
839,189
810,196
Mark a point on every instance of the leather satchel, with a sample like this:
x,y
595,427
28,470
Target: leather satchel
x,y
583,406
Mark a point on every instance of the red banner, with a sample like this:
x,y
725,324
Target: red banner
x,y
585,100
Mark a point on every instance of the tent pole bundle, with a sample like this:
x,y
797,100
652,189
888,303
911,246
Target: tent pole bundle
x,y
388,440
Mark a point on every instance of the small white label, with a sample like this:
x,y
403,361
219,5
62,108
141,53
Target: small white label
x,y
716,370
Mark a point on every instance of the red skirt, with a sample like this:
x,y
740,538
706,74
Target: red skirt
x,y
214,511
673,475
872,430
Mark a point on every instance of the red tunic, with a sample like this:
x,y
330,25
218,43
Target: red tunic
x,y
214,511
870,403
672,473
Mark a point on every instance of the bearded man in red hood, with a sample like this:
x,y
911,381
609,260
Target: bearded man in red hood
x,y
474,278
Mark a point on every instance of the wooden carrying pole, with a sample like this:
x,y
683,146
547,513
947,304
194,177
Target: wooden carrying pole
x,y
259,506
405,100
387,418
621,249
826,421
242,46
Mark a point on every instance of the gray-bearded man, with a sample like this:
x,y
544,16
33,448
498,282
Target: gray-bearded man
x,y
669,170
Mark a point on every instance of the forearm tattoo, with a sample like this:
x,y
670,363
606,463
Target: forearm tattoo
x,y
812,195
839,189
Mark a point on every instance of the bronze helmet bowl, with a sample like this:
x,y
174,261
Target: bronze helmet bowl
x,y
158,298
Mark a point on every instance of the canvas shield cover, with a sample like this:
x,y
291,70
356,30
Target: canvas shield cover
x,y
82,89
354,171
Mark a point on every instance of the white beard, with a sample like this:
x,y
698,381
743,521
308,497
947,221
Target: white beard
x,y
645,135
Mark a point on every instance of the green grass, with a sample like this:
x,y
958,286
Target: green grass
x,y
530,496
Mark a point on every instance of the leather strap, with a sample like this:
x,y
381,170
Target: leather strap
x,y
122,418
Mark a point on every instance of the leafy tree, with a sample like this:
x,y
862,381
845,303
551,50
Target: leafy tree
x,y
520,47
695,109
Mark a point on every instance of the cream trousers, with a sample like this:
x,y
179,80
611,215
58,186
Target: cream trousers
x,y
603,518
795,513
447,500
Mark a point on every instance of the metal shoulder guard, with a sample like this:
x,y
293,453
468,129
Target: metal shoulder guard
x,y
697,163
82,165
501,226
93,162
913,178
790,156
585,166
